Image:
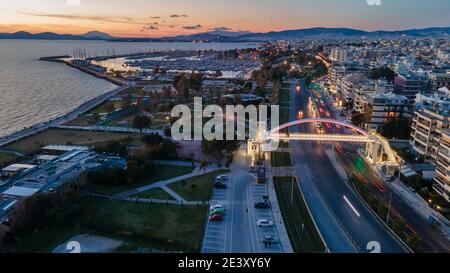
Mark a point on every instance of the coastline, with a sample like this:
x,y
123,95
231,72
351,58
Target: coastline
x,y
37,128
58,59
71,114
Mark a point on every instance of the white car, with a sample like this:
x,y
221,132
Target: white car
x,y
264,223
222,178
218,206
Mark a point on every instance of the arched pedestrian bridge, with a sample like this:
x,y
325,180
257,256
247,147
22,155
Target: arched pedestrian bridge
x,y
377,151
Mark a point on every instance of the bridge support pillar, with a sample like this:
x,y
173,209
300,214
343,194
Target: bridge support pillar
x,y
373,152
390,170
254,152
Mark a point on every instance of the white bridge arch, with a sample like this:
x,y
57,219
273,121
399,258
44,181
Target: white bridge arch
x,y
377,152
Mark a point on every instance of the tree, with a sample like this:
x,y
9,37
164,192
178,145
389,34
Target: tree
x,y
382,72
166,149
275,91
166,93
261,81
195,81
357,119
113,147
398,128
140,122
248,86
96,117
180,82
126,102
110,107
152,140
218,149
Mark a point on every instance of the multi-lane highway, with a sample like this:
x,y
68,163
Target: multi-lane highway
x,y
432,239
352,227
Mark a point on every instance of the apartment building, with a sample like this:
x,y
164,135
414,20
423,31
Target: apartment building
x,y
439,80
338,55
385,107
442,175
363,94
426,131
409,86
438,100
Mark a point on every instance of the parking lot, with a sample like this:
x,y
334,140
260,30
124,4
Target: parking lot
x,y
257,191
216,233
238,232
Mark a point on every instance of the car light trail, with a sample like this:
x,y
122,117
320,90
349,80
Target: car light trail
x,y
351,206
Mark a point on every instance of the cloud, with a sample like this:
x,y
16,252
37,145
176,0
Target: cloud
x,y
222,29
152,27
178,15
193,27
95,18
155,17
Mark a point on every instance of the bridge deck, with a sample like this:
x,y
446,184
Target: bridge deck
x,y
323,137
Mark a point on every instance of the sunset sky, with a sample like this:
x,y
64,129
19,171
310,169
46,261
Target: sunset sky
x,y
156,18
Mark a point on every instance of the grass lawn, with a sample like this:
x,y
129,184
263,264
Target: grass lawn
x,y
59,136
105,107
81,121
163,172
280,159
202,189
156,193
138,225
44,240
296,215
6,157
134,90
123,121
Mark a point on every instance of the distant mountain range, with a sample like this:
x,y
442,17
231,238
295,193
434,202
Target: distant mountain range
x,y
243,36
92,35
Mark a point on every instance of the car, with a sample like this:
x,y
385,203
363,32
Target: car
x,y
264,223
216,217
268,239
220,185
217,206
222,178
217,211
262,205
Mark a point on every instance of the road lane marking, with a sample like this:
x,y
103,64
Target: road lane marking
x,y
351,206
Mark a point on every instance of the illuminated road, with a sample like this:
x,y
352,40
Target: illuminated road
x,y
433,241
355,220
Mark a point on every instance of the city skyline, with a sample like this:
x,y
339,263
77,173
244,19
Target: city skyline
x,y
171,18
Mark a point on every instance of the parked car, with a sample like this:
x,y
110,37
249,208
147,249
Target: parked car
x,y
262,205
217,206
264,223
268,239
217,211
220,185
222,178
216,217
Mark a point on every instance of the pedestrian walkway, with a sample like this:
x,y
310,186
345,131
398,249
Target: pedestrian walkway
x,y
110,129
416,202
180,163
162,184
